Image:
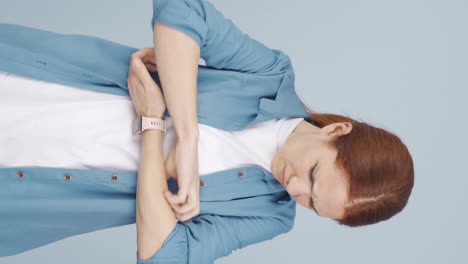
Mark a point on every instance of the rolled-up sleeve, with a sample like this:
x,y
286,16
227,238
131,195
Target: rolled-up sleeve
x,y
205,238
222,44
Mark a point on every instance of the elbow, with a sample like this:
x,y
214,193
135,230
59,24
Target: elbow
x,y
174,248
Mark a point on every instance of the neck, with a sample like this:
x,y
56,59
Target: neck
x,y
304,127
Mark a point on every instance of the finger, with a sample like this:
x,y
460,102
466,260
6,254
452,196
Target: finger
x,y
152,59
151,67
146,54
186,216
181,217
136,63
179,198
141,53
131,80
182,197
171,199
139,82
186,208
143,74
149,57
192,206
173,203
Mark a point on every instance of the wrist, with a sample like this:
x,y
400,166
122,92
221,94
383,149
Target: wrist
x,y
146,122
152,131
189,137
153,115
188,130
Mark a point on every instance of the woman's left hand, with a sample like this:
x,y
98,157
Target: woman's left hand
x,y
182,164
146,94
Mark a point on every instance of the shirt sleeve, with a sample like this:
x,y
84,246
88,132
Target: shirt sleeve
x,y
222,44
205,238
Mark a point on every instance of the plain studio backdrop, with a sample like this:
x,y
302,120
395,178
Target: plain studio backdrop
x,y
399,65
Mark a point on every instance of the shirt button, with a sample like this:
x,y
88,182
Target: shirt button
x,y
20,174
67,177
202,184
240,174
114,178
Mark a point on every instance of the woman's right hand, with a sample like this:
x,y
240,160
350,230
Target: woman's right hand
x,y
145,93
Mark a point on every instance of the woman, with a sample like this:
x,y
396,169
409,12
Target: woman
x,y
361,174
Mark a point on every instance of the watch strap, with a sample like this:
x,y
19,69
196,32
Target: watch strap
x,y
142,123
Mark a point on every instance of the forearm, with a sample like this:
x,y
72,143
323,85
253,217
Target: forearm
x,y
154,216
177,58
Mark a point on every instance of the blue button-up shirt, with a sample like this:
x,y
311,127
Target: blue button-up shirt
x,y
243,83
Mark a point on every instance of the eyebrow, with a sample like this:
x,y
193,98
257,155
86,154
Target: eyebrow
x,y
312,176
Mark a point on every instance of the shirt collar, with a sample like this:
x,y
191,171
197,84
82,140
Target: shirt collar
x,y
286,102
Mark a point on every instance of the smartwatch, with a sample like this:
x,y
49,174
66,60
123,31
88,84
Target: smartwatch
x,y
142,123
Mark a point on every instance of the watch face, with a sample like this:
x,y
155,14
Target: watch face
x,y
136,125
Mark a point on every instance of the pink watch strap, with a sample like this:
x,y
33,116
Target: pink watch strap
x,y
142,123
153,123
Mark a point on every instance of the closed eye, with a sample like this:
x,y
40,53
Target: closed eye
x,y
312,180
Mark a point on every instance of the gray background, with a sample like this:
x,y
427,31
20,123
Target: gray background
x,y
400,65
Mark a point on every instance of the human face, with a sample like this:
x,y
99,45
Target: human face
x,y
310,175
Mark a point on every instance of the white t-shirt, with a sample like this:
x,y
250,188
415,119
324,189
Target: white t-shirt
x,y
46,124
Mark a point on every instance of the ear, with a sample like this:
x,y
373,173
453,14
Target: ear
x,y
337,129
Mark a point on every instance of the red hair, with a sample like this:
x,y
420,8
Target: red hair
x,y
378,167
